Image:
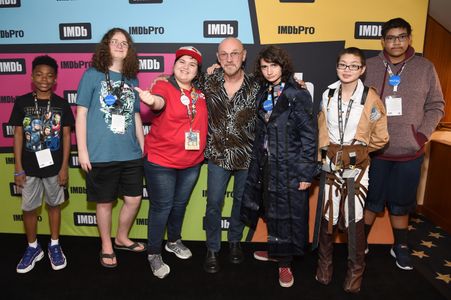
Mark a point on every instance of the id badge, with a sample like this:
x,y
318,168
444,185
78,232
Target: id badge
x,y
338,160
393,106
118,123
44,158
192,140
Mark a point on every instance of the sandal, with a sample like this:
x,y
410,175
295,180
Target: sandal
x,y
109,256
133,247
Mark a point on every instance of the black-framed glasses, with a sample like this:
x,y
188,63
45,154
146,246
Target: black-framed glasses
x,y
117,43
342,66
392,38
233,55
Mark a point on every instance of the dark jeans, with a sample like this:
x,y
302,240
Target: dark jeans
x,y
218,179
169,191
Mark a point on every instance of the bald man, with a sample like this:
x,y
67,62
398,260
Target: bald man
x,y
230,94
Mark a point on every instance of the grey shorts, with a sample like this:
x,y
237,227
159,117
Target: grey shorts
x,y
35,187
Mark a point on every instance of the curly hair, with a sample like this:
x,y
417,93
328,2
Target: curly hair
x,y
102,60
277,55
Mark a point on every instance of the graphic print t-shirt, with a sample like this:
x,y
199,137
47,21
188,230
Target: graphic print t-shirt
x,y
105,144
42,129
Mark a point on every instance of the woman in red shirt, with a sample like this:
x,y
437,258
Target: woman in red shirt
x,y
175,152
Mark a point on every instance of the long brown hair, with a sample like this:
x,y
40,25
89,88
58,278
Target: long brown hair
x,y
102,60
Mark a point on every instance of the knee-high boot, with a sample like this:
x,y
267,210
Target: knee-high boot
x,y
355,271
324,269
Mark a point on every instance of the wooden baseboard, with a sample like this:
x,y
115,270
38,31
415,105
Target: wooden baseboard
x,y
436,218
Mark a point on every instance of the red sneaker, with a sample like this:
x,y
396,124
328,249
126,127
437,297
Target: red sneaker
x,y
285,277
263,256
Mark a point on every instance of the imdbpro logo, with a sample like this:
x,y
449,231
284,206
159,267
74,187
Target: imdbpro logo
x,y
9,3
215,29
75,31
368,30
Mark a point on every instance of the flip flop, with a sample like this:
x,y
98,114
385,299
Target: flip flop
x,y
107,255
133,247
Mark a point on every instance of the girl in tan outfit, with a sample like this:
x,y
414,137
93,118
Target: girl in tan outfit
x,y
352,123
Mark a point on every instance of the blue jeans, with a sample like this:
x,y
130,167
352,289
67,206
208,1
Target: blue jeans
x,y
218,179
169,191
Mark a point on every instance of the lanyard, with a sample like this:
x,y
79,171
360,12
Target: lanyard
x,y
191,110
341,128
114,91
394,77
272,96
390,72
36,107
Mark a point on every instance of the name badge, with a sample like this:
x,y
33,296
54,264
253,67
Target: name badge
x,y
192,140
118,123
393,105
44,158
338,160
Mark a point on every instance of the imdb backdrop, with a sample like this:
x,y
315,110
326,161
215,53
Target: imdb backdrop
x,y
313,31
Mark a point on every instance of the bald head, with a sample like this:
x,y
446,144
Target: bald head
x,y
231,55
230,42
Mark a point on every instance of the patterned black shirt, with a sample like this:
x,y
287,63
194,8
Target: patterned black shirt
x,y
231,122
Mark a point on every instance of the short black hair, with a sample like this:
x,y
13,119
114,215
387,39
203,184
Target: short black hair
x,y
396,23
45,60
354,51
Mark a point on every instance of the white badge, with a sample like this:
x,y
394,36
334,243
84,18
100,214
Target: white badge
x,y
192,140
184,99
393,105
44,158
118,123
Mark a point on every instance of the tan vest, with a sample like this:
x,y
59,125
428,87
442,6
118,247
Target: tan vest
x,y
370,130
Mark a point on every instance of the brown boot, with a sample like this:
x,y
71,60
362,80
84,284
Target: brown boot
x,y
325,250
355,271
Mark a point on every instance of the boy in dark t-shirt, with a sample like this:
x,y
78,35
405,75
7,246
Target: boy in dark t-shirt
x,y
42,123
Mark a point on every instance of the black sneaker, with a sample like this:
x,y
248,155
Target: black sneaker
x,y
235,253
402,255
211,263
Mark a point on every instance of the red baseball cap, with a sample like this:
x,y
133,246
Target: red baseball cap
x,y
191,51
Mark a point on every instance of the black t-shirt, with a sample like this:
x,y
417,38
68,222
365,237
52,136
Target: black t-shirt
x,y
41,130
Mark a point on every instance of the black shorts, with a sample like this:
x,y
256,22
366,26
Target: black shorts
x,y
393,184
106,181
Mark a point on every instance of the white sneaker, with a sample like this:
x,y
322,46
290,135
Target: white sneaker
x,y
159,268
180,250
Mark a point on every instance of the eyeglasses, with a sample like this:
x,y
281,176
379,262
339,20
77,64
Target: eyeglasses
x,y
392,38
342,66
233,55
116,43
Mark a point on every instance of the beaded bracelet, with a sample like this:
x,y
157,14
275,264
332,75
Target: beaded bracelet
x,y
19,173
